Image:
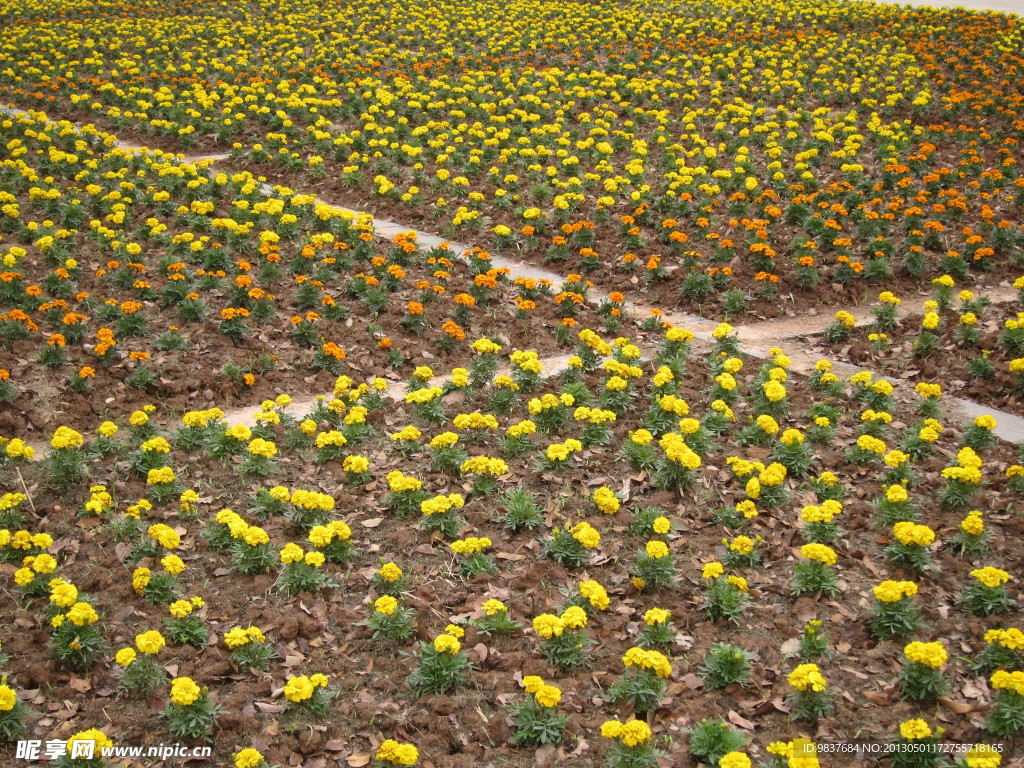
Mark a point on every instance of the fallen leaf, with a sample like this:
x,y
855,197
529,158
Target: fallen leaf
x,y
737,719
79,684
790,647
359,759
693,682
481,650
373,522
959,707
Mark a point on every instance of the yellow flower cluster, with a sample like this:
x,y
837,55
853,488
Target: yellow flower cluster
x,y
1011,638
990,577
546,695
475,420
632,733
522,428
65,437
655,616
424,395
399,482
470,545
397,752
894,591
593,415
586,534
238,637
677,451
160,476
385,605
444,440
184,691
973,524
826,512
1012,681
914,730
446,643
642,658
492,606
164,535
913,534
734,760
595,593
807,677
562,451
406,434
606,500
441,504
249,758
930,654
483,465
301,688
548,402
821,553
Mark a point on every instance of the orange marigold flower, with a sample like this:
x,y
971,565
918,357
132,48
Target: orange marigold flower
x,y
333,350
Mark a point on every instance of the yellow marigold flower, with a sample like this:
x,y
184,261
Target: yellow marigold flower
x,y
606,500
397,753
184,691
390,572
298,689
734,760
574,617
65,437
654,616
807,677
548,625
1012,681
548,695
913,534
172,564
125,656
446,644
915,729
81,614
532,683
656,549
492,606
248,758
292,553
983,756
595,593
586,534
973,524
930,654
712,570
94,735
894,591
990,577
819,552
180,608
611,729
